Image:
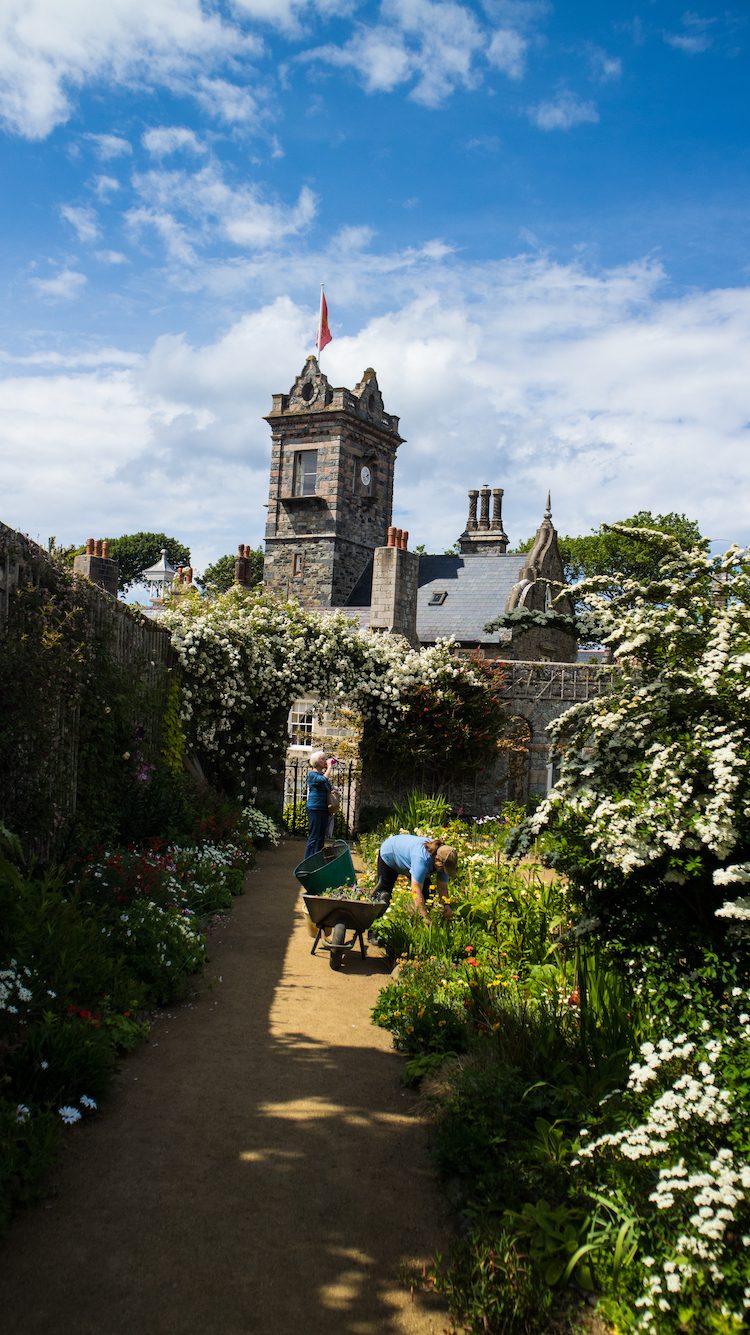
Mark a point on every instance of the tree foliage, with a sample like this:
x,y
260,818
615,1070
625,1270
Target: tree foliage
x,y
134,553
608,551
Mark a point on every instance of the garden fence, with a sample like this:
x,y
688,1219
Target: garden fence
x,y
347,777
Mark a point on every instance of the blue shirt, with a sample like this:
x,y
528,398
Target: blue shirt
x,y
406,853
318,789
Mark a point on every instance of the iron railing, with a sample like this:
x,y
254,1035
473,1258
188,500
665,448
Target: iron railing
x,y
347,776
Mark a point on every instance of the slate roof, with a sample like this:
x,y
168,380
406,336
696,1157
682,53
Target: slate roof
x,y
476,589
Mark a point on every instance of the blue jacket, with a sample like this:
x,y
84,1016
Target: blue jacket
x,y
318,789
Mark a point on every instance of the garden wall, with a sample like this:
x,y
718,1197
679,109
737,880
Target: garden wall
x,y
85,687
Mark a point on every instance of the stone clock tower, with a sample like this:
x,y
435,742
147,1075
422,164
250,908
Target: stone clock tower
x,y
331,493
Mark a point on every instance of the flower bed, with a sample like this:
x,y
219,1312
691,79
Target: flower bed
x,y
85,950
590,1104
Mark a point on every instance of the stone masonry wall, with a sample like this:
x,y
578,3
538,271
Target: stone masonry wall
x,y
394,593
337,529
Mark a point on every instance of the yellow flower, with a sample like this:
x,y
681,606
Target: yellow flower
x,y
441,1023
410,1028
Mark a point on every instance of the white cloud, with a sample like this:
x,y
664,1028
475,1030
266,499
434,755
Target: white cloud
x,y
432,41
105,186
49,49
111,257
84,221
507,52
563,112
166,139
227,101
696,38
107,146
236,214
66,285
604,67
525,374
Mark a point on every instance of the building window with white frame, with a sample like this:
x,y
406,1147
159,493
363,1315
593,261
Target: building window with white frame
x,y
305,472
302,724
298,565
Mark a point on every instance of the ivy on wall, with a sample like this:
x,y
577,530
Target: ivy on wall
x,y
83,710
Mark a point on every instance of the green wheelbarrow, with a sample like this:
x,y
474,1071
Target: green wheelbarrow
x,y
340,915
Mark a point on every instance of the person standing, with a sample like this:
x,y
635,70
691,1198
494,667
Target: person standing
x,y
418,858
318,788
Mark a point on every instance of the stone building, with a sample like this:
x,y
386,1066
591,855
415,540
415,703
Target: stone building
x,y
331,490
330,541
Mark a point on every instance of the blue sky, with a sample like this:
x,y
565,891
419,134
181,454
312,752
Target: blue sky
x,y
532,219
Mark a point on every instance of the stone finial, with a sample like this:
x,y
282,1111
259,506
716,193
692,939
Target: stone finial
x,y
484,521
471,522
548,511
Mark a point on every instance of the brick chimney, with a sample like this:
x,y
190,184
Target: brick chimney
x,y
243,566
393,609
98,566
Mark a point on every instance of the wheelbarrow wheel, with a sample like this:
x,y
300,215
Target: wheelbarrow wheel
x,y
337,940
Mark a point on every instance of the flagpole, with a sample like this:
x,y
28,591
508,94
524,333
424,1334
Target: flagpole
x,y
320,323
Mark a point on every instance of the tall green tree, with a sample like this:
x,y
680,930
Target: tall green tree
x,y
618,555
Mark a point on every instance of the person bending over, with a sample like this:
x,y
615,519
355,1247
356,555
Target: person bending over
x,y
414,856
318,788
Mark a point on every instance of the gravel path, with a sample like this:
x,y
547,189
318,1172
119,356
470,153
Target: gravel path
x,y
257,1167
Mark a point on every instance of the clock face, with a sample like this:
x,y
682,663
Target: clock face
x,y
365,476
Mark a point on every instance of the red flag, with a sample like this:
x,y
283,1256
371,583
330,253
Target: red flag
x,y
324,334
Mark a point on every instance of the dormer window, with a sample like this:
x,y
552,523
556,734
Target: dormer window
x,y
438,598
305,472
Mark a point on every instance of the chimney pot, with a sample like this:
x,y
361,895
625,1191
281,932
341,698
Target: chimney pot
x,y
405,540
241,550
98,547
89,546
105,548
391,537
471,522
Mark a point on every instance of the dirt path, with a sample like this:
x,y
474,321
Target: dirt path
x,y
257,1167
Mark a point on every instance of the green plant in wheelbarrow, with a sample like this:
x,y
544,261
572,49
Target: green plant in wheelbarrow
x,y
350,892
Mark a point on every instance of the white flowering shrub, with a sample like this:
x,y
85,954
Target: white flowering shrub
x,y
261,829
246,658
651,811
677,1150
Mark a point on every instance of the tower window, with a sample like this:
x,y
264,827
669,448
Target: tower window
x,y
305,472
298,564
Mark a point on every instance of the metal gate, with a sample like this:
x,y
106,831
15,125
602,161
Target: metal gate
x,y
347,776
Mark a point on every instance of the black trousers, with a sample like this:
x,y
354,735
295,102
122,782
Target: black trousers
x,y
387,877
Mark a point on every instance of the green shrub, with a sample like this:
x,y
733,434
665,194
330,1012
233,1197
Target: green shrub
x,y
62,1057
426,1009
28,1148
491,1288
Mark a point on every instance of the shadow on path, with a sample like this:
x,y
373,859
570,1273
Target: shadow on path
x,y
258,1166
